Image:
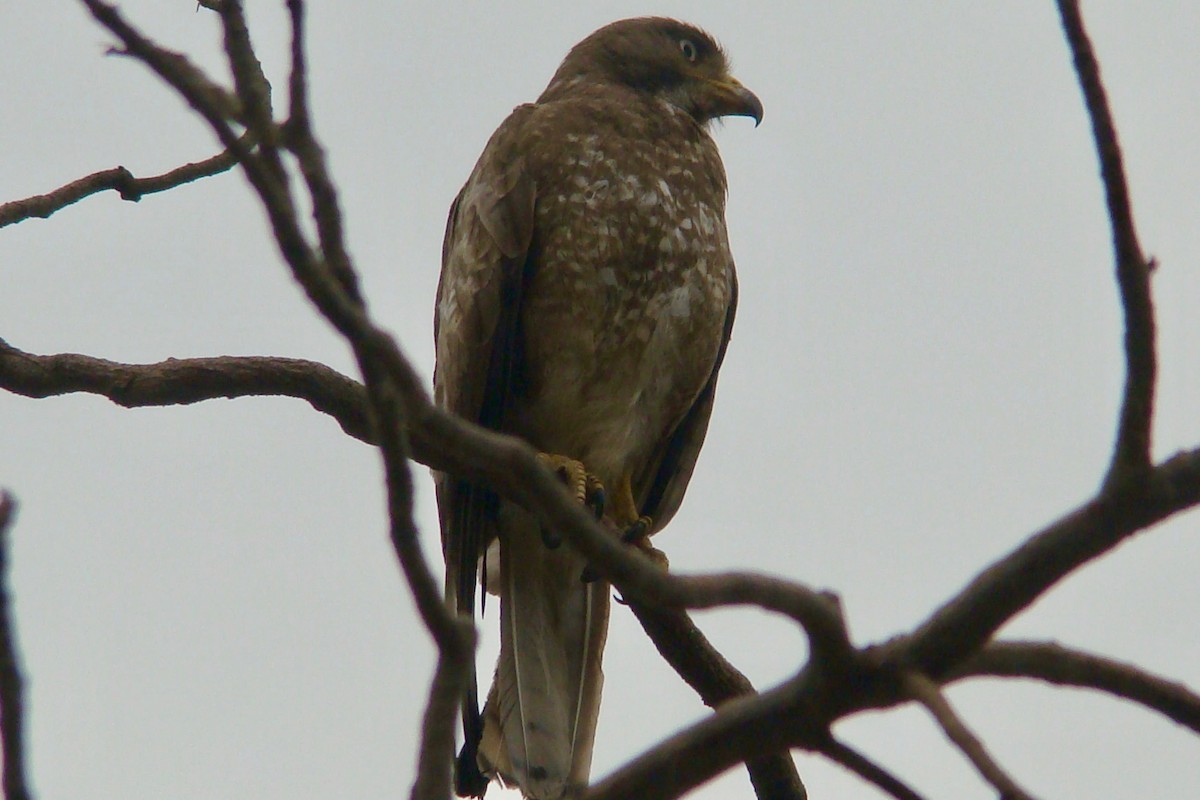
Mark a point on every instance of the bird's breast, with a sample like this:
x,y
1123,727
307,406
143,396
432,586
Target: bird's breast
x,y
624,311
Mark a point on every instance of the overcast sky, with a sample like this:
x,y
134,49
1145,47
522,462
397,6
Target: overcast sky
x,y
925,370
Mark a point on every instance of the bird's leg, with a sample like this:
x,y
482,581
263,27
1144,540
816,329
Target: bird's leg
x,y
635,527
583,485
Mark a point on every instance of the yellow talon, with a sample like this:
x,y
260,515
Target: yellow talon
x,y
585,487
638,530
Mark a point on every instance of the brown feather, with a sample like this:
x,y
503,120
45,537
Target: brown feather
x,y
585,303
659,491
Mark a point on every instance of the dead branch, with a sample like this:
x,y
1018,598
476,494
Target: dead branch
x,y
688,651
311,156
1132,451
1063,666
189,380
118,179
12,685
963,624
927,693
868,770
747,727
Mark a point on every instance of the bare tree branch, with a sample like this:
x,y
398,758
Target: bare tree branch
x,y
1132,452
12,690
192,380
213,101
744,728
868,770
817,613
455,635
927,693
326,209
688,651
1063,666
189,380
966,621
250,83
118,179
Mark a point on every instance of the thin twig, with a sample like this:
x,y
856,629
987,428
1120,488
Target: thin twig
x,y
1064,666
346,311
12,691
311,157
1131,498
207,97
927,693
213,101
249,80
1132,452
874,774
118,179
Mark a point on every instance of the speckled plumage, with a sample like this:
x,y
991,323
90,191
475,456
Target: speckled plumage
x,y
585,302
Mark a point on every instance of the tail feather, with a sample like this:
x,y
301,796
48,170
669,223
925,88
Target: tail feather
x,y
540,718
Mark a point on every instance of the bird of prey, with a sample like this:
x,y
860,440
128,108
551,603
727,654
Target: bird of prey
x,y
585,302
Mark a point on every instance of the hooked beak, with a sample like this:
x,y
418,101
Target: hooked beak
x,y
729,98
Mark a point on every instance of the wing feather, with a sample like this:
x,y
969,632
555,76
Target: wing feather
x,y
662,484
477,342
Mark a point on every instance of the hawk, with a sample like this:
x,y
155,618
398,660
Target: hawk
x,y
585,302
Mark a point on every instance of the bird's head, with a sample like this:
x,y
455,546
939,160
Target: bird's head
x,y
665,57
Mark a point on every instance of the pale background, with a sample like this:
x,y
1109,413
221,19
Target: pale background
x,y
925,370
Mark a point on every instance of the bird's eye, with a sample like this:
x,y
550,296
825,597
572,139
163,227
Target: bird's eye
x,y
688,48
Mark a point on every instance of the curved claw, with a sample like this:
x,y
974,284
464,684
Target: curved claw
x,y
638,530
585,487
596,497
550,538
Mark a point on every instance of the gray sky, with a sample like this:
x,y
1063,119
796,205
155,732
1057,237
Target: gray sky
x,y
925,369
